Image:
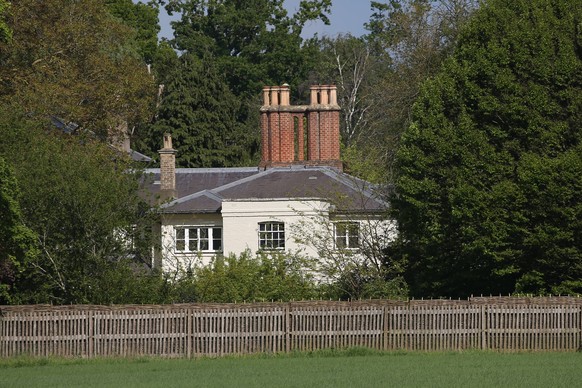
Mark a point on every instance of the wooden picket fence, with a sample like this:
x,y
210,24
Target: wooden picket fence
x,y
194,330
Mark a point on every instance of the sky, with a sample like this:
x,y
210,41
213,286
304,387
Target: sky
x,y
347,16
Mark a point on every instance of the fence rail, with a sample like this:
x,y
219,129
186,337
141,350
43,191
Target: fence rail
x,y
193,330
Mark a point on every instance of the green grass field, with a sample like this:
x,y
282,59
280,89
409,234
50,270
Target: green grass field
x,y
351,368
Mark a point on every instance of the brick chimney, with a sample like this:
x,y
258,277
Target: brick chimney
x,y
283,137
167,169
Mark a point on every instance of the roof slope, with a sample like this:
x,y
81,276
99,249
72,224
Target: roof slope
x,y
203,190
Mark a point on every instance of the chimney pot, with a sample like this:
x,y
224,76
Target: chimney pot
x,y
275,95
167,141
324,95
266,99
285,99
333,95
314,91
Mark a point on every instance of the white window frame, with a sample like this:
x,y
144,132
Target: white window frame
x,y
186,236
346,235
272,236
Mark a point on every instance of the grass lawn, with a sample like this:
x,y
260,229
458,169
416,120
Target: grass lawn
x,y
350,368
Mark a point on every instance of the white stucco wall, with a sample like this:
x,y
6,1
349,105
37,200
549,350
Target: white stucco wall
x,y
306,220
240,220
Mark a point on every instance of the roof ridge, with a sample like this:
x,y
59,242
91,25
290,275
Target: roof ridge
x,y
189,197
242,180
192,170
351,180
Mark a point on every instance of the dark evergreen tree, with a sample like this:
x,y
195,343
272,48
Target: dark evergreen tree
x,y
489,173
202,114
242,46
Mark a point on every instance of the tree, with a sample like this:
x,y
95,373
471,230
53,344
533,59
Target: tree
x,y
201,112
143,19
80,199
73,60
347,62
17,247
408,40
357,271
77,232
488,189
253,42
5,32
247,45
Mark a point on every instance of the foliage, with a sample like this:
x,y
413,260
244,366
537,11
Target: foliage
x,y
17,246
379,75
202,115
229,50
5,33
489,171
247,277
80,200
253,42
74,60
143,19
351,272
348,62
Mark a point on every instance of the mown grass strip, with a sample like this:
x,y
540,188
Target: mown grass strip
x,y
346,368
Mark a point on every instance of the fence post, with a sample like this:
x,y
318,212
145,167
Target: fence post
x,y
385,317
90,334
483,327
288,327
189,333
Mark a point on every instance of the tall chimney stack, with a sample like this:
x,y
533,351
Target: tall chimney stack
x,y
167,169
283,133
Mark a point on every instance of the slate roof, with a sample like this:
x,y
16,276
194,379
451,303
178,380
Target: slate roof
x,y
201,190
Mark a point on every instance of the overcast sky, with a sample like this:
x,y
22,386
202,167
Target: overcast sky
x,y
346,16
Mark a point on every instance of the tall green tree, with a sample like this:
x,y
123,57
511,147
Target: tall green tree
x,y
17,242
144,21
488,189
253,42
81,202
242,46
202,114
410,39
74,60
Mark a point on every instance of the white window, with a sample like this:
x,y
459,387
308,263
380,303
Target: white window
x,y
271,235
198,238
346,235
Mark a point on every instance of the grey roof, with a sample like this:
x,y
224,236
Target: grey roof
x,y
139,157
194,180
203,190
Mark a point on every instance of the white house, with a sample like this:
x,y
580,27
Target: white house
x,y
296,197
